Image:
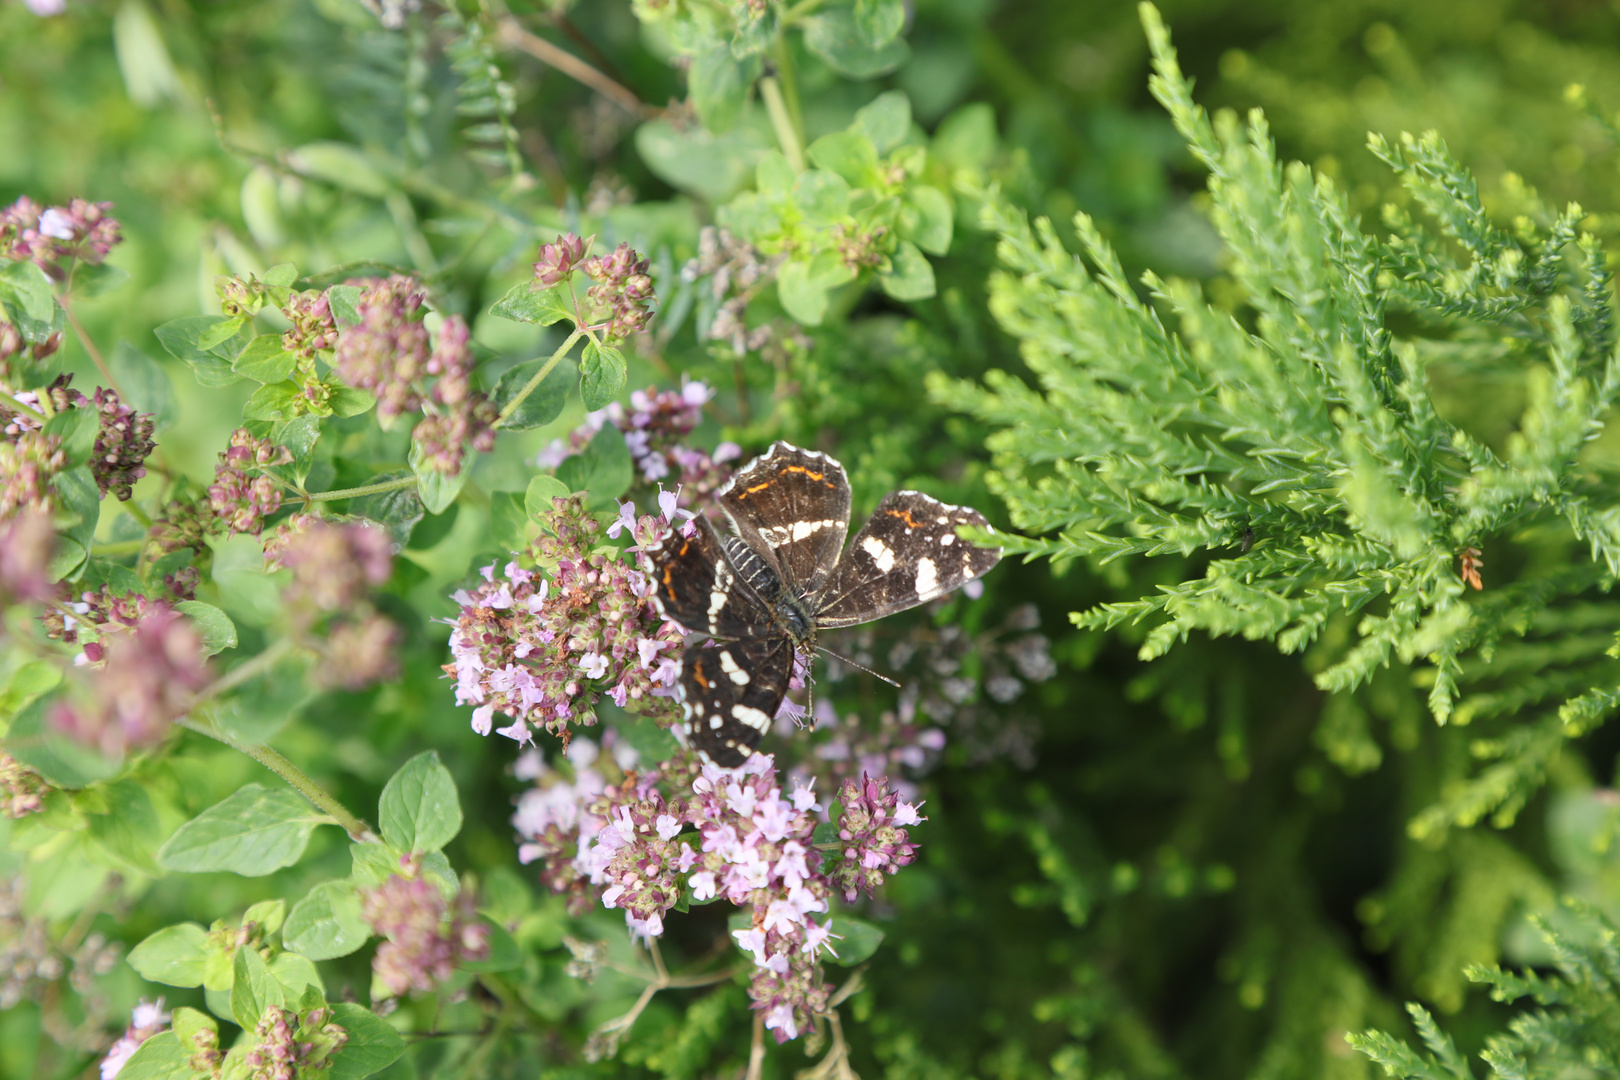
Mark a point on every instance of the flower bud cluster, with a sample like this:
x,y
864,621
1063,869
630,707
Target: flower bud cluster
x,y
147,678
860,250
622,294
543,651
644,840
466,416
145,1021
28,464
559,260
288,1044
22,790
51,235
313,328
427,936
333,566
387,351
654,426
241,495
123,437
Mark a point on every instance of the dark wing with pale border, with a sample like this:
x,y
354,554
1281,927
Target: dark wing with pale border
x,y
792,505
730,694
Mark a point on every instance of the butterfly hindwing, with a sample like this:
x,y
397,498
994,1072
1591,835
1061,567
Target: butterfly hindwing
x,y
792,505
906,554
731,693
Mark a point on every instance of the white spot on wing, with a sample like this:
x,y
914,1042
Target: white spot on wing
x,y
927,579
880,552
754,718
730,667
947,539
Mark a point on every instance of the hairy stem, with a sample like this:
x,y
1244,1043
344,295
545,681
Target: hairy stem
x,y
538,377
354,493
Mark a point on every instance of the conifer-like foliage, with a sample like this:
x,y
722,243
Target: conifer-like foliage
x,y
1291,444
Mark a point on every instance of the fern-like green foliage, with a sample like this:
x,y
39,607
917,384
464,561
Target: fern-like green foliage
x,y
1293,440
1575,1032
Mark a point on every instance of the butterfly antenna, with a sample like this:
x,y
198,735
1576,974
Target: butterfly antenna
x,y
858,667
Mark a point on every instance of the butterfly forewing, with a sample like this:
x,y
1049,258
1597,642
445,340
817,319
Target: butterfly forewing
x,y
792,505
906,554
731,693
697,586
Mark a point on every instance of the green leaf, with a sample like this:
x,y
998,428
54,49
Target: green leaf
x,y
61,761
504,954
342,300
851,155
217,334
77,428
699,162
848,49
342,165
327,922
436,490
181,337
146,385
886,120
128,831
297,974
267,915
601,375
419,810
98,279
278,401
160,1057
879,21
28,301
525,303
80,498
345,401
909,276
299,435
280,276
254,832
248,593
373,1043
374,862
397,511
173,956
966,139
189,1023
217,630
860,940
267,703
544,403
718,84
603,470
264,360
821,196
802,285
652,742
542,489
927,219
253,988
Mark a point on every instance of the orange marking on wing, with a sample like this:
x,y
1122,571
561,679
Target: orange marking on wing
x,y
697,673
904,515
812,475
757,487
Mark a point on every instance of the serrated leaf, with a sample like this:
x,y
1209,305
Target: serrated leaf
x,y
419,808
173,956
525,303
373,1043
602,375
542,489
327,922
254,832
603,470
265,361
544,403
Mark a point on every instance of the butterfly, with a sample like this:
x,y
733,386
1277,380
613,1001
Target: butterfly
x,y
764,593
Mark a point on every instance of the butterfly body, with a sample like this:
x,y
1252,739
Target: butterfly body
x,y
764,593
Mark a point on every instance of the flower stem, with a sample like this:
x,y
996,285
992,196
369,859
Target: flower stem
x,y
11,404
358,830
781,122
120,547
538,377
90,346
756,1052
354,493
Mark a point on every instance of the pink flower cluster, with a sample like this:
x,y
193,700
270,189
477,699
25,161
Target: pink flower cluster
x,y
289,1044
427,936
28,465
145,1021
313,327
241,495
22,790
544,650
123,440
147,678
654,428
465,415
50,235
736,836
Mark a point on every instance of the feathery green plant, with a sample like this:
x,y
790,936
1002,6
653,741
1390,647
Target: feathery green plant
x,y
1295,442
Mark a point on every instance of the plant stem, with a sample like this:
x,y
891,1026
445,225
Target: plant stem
x,y
66,304
358,830
512,34
538,377
121,547
756,1052
782,123
11,404
354,493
